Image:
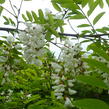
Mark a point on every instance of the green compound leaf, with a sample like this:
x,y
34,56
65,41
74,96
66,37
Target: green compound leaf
x,y
94,64
93,81
98,50
98,17
91,104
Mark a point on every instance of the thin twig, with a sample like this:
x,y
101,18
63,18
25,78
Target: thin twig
x,y
72,28
12,7
19,13
88,20
8,11
55,44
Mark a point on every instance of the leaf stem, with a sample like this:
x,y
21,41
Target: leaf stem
x,y
12,7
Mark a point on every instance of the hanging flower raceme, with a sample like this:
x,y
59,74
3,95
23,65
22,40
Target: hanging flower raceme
x,y
33,41
64,76
71,58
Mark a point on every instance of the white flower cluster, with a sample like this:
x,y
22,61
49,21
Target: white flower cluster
x,y
58,87
7,94
5,78
56,66
105,75
62,88
71,58
33,41
63,78
68,103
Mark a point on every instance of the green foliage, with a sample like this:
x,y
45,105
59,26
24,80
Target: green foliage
x,y
93,81
94,64
91,104
25,85
2,1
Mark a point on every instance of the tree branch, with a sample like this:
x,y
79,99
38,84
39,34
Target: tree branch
x,y
62,34
9,29
76,35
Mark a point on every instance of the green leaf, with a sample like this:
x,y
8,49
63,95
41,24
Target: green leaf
x,y
78,16
101,4
56,6
1,9
107,1
101,31
24,17
34,17
91,104
69,4
97,18
85,32
92,8
90,3
29,16
2,1
94,64
98,50
84,3
41,16
83,25
12,22
93,81
6,20
50,19
54,32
